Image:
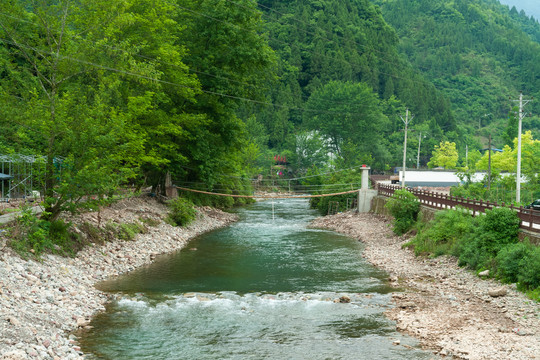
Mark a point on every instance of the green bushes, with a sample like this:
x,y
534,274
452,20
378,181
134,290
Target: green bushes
x,y
488,241
404,207
181,212
499,227
520,263
443,235
32,236
509,261
322,203
35,235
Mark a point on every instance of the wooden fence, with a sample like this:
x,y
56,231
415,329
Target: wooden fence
x,y
529,219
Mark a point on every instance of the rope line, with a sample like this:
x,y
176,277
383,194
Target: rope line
x,y
267,196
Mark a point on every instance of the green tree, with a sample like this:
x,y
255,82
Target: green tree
x,y
347,115
84,92
444,155
507,159
234,65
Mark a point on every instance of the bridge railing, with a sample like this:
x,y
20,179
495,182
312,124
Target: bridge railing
x,y
529,219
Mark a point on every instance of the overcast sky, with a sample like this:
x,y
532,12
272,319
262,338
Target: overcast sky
x,y
531,7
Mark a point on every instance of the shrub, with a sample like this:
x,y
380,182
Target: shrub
x,y
181,211
502,222
529,269
508,261
444,234
127,231
32,234
498,228
404,207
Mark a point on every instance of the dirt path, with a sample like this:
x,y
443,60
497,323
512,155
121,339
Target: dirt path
x,y
446,307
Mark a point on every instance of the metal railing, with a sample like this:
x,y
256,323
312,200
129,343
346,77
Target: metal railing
x,y
529,219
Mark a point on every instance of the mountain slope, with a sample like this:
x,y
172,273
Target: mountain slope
x,y
322,41
475,51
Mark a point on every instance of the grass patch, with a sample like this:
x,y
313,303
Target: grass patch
x,y
404,207
31,235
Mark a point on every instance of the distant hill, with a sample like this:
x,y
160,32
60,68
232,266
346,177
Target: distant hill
x,y
476,51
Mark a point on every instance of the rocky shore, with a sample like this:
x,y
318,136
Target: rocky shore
x,y
43,301
450,310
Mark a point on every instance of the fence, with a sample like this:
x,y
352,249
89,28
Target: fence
x,y
529,219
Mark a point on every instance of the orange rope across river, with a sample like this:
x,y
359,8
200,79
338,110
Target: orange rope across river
x,y
268,196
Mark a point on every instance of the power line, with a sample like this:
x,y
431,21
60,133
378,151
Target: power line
x,y
129,73
266,196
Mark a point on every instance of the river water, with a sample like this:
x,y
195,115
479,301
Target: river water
x,y
264,288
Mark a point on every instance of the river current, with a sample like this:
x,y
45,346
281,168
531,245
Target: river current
x,y
266,287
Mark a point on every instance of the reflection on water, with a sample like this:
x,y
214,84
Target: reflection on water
x,y
260,289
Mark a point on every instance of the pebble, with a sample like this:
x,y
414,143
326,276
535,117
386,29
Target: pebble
x,y
447,308
42,302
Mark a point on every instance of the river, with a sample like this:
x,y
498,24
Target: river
x,y
266,287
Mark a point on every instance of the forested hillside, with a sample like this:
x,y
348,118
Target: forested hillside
x,y
123,92
475,51
216,92
340,73
529,7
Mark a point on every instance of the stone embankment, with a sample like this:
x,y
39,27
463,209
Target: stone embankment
x,y
450,310
43,301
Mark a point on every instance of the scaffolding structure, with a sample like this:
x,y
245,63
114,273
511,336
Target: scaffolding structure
x,y
24,176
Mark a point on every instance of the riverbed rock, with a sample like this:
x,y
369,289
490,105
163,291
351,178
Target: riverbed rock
x,y
14,355
41,302
483,273
453,311
497,292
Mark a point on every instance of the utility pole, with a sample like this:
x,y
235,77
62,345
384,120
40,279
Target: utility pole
x,y
489,164
406,121
518,172
418,156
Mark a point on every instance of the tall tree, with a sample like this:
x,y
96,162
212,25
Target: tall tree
x,y
349,117
83,91
444,155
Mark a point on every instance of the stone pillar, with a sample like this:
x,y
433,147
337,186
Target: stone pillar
x,y
365,177
365,195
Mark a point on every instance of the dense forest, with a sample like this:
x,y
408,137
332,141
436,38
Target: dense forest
x,y
477,53
216,92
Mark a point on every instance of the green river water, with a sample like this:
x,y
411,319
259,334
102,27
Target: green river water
x,y
263,288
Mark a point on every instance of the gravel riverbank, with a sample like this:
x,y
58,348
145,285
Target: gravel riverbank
x,y
448,308
42,302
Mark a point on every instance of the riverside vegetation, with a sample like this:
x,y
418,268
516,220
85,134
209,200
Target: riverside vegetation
x,y
116,93
31,236
485,242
